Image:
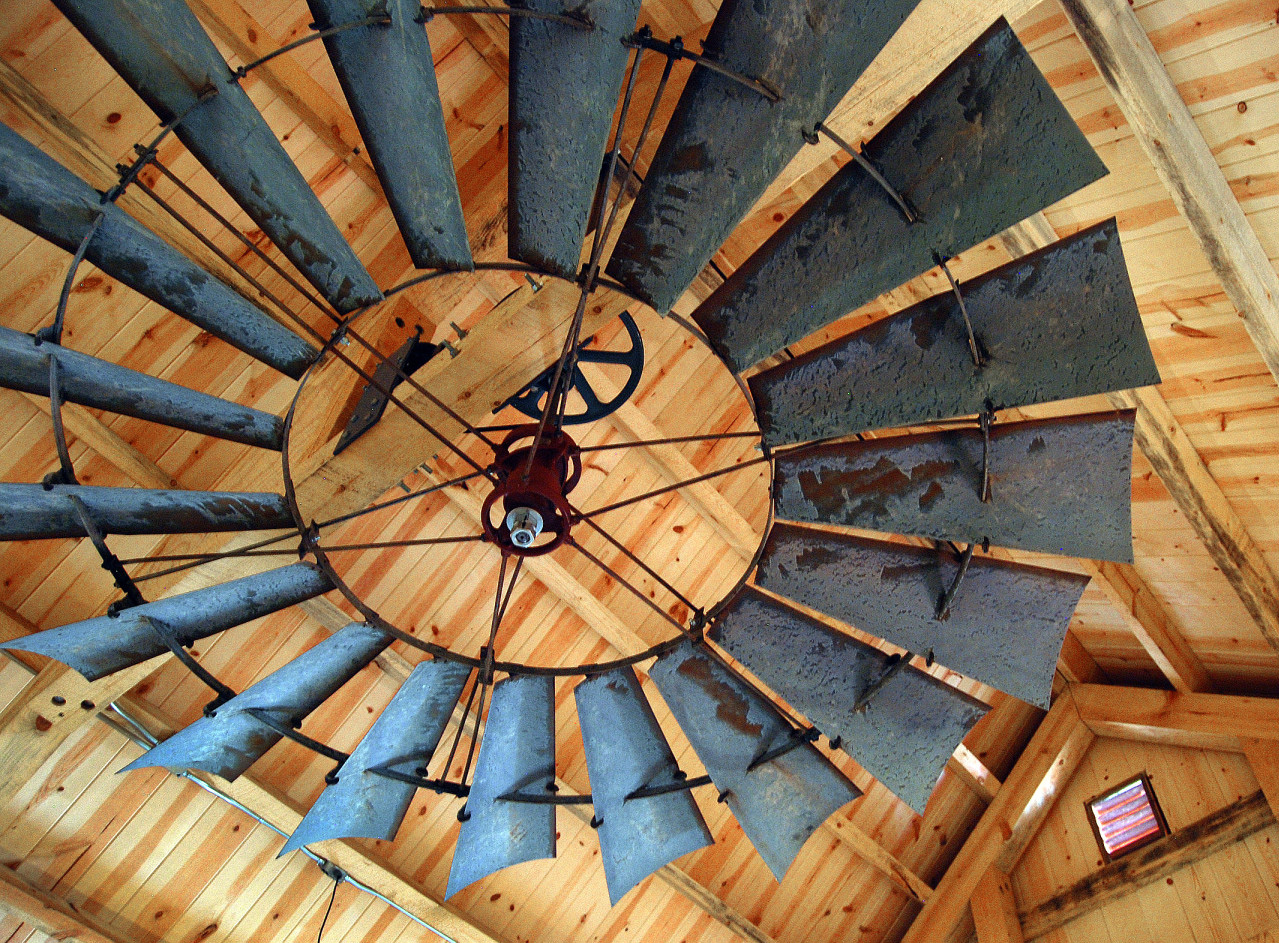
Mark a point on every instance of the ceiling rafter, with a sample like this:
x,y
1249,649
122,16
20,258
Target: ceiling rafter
x,y
50,914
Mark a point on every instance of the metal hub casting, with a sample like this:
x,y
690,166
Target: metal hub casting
x,y
530,500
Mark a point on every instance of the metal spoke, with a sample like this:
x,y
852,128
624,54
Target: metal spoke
x,y
671,440
640,563
675,487
622,581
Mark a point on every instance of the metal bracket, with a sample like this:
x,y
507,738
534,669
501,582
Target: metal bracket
x,y
65,475
110,562
974,345
390,373
267,717
674,49
173,644
948,597
895,664
862,161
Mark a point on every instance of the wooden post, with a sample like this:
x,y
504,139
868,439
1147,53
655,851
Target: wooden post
x,y
995,910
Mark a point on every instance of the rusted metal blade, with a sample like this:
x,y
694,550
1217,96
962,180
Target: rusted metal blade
x,y
1006,622
985,146
517,754
32,512
24,365
388,77
899,723
779,802
1056,324
626,752
1059,486
41,195
564,87
97,647
162,51
231,739
726,143
363,804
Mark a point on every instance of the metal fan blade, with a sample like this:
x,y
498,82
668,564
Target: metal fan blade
x,y
985,146
899,723
726,143
626,752
162,51
41,195
363,804
1006,622
24,365
388,76
103,645
517,754
1059,323
564,87
231,738
779,802
32,512
931,485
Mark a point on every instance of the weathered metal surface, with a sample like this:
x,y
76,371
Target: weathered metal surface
x,y
388,76
362,804
780,802
625,751
899,723
1005,627
1056,324
517,754
32,512
162,51
564,87
230,740
983,147
1059,486
24,365
38,193
726,143
100,646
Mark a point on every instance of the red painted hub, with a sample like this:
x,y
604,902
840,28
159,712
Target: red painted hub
x,y
533,516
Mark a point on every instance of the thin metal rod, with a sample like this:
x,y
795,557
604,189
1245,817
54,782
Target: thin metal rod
x,y
985,420
147,154
622,581
948,597
672,440
642,565
66,471
870,169
675,487
973,347
399,500
53,333
568,19
675,50
380,20
110,562
890,672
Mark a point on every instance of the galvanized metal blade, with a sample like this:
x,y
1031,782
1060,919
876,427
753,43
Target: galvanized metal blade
x,y
516,755
1006,622
726,143
1056,324
229,740
564,87
899,723
32,512
1056,486
779,802
41,195
364,804
162,51
626,752
24,365
985,146
388,76
105,644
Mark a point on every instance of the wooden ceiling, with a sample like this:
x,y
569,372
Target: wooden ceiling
x,y
149,856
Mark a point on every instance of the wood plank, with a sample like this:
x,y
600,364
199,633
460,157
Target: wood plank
x,y
52,915
1205,721
995,910
1156,861
1263,758
966,765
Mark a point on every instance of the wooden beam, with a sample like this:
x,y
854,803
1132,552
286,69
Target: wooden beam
x,y
966,765
1156,861
1166,131
1263,757
1006,828
1205,721
995,910
51,915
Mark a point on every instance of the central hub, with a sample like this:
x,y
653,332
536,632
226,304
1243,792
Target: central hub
x,y
528,512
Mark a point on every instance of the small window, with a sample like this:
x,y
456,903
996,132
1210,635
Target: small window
x,y
1126,818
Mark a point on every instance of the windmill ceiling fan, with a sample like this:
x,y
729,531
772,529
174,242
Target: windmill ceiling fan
x,y
983,147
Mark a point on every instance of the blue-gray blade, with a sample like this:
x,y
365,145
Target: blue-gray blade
x,y
726,143
930,485
564,87
41,195
626,751
162,51
363,804
388,76
105,644
24,365
33,512
517,754
231,739
780,802
985,146
902,733
1056,324
1005,626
